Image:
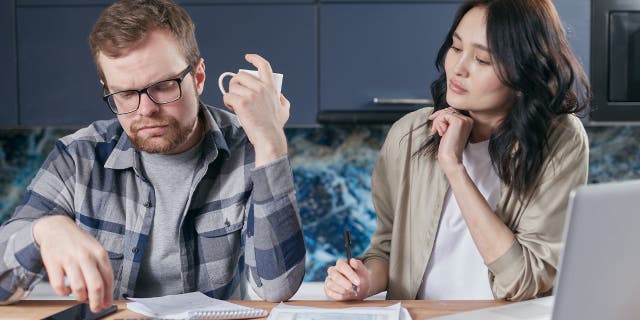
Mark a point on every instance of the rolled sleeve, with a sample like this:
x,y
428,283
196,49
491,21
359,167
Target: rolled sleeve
x,y
22,262
27,252
275,250
272,180
529,267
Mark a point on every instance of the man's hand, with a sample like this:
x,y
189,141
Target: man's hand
x,y
262,111
69,251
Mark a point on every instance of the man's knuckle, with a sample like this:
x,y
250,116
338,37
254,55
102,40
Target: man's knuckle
x,y
98,288
102,255
60,287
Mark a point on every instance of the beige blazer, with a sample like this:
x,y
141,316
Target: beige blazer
x,y
408,194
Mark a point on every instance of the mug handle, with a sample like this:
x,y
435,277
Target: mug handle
x,y
221,78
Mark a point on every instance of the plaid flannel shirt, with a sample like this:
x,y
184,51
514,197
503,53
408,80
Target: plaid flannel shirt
x,y
242,222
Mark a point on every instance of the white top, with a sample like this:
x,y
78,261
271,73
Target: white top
x,y
456,270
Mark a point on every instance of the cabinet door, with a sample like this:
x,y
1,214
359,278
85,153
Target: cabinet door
x,y
379,50
180,2
283,34
58,82
8,86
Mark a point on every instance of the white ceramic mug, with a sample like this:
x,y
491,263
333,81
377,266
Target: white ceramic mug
x,y
277,79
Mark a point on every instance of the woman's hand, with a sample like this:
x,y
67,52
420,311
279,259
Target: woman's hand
x,y
342,277
455,129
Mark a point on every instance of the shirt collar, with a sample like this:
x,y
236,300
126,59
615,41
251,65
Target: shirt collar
x,y
125,155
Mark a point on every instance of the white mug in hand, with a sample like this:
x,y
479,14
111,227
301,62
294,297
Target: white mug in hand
x,y
277,79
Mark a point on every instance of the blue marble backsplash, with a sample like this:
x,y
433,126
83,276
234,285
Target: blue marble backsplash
x,y
331,167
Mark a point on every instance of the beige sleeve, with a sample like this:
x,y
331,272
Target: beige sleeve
x,y
383,194
529,267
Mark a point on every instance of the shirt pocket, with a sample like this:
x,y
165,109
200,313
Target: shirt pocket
x,y
110,238
116,260
113,243
219,242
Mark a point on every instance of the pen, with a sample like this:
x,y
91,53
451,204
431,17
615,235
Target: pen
x,y
347,246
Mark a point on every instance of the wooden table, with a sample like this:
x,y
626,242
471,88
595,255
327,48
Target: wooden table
x,y
419,309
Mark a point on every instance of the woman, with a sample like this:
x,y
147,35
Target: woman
x,y
471,195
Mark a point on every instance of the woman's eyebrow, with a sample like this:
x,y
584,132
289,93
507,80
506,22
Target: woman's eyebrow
x,y
475,44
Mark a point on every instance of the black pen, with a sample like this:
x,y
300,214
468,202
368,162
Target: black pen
x,y
347,245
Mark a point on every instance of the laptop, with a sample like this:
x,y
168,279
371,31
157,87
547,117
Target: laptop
x,y
599,274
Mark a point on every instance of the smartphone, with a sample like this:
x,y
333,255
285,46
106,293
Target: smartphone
x,y
81,311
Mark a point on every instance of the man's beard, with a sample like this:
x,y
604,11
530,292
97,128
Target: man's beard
x,y
175,136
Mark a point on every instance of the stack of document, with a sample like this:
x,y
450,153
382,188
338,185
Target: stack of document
x,y
194,305
288,312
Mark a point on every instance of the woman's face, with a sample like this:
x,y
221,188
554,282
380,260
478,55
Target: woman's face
x,y
472,82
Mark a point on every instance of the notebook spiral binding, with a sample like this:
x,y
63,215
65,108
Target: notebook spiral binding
x,y
227,314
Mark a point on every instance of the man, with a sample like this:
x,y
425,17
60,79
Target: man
x,y
171,197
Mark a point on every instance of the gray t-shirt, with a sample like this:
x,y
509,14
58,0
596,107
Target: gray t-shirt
x,y
171,177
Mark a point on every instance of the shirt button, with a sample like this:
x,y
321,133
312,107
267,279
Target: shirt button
x,y
147,204
134,250
227,223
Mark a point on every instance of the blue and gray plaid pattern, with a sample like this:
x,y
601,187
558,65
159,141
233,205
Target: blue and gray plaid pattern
x,y
243,222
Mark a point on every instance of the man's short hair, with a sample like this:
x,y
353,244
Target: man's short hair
x,y
126,23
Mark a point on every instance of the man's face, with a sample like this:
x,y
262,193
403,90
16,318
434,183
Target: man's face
x,y
157,128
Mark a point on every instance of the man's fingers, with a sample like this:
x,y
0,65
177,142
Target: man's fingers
x,y
233,102
56,280
76,281
95,285
241,90
284,101
246,80
104,267
263,66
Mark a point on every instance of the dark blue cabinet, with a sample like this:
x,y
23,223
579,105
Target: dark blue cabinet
x,y
8,87
377,52
283,34
337,56
58,84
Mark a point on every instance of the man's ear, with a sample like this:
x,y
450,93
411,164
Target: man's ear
x,y
200,76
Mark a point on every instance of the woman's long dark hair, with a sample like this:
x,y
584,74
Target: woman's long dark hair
x,y
532,57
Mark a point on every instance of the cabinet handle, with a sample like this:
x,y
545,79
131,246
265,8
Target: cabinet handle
x,y
402,101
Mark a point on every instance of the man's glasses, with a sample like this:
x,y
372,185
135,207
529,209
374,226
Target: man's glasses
x,y
161,92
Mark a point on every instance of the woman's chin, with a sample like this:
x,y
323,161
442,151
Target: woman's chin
x,y
456,104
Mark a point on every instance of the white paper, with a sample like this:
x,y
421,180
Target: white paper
x,y
178,306
288,312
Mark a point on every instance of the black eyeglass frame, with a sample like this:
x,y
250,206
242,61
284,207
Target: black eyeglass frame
x,y
179,80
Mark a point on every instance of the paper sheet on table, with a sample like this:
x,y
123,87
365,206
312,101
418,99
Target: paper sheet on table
x,y
288,312
178,306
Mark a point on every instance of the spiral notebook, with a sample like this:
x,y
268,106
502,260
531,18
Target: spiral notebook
x,y
193,305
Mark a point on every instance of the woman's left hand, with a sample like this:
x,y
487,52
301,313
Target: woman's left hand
x,y
455,129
